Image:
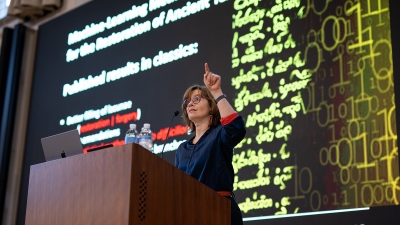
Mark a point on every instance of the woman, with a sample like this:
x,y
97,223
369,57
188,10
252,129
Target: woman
x,y
218,129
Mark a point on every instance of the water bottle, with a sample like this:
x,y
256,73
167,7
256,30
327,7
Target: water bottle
x,y
131,135
146,139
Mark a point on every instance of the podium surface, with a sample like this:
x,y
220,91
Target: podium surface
x,y
122,185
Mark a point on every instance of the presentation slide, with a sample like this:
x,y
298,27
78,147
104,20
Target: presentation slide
x,y
313,81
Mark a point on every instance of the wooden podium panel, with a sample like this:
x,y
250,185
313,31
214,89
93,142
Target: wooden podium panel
x,y
123,185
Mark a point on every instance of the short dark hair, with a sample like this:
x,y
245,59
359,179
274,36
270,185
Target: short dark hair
x,y
205,94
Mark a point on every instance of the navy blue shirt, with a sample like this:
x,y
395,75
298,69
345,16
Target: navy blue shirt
x,y
210,159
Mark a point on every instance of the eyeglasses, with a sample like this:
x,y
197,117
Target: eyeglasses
x,y
196,99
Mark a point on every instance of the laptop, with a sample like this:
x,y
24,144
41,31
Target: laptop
x,y
62,145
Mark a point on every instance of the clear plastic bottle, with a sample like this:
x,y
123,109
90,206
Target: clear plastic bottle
x,y
146,139
131,135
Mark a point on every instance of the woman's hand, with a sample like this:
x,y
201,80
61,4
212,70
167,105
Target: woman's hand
x,y
212,81
213,84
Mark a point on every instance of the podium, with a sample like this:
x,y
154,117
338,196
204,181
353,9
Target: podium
x,y
120,185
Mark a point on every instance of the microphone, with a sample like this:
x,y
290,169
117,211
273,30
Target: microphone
x,y
166,137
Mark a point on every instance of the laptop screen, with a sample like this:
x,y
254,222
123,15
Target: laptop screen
x,y
62,145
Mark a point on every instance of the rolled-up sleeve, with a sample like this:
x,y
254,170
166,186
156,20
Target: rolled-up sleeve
x,y
233,132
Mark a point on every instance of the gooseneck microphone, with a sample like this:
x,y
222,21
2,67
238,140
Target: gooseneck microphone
x,y
166,137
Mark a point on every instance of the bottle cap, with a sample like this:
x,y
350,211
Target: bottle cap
x,y
132,126
146,125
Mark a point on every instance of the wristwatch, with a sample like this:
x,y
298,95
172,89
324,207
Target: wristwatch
x,y
219,98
